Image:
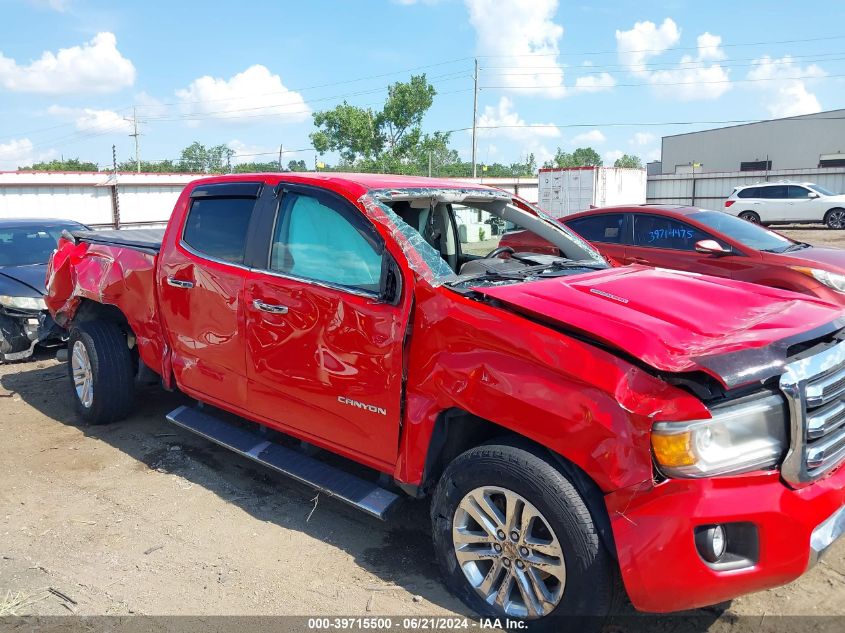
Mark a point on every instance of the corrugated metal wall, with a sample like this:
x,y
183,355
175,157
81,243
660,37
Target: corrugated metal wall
x,y
709,190
144,199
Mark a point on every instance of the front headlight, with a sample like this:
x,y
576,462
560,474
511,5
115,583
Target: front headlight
x,y
23,303
750,435
829,279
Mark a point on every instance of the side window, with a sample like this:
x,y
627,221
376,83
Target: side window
x,y
798,193
659,232
751,192
314,240
217,227
775,192
600,228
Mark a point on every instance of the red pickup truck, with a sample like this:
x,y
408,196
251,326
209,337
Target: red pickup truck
x,y
571,421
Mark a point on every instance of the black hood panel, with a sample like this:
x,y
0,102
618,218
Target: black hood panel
x,y
24,281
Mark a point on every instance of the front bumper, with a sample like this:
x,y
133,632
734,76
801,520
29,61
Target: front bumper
x,y
653,527
22,330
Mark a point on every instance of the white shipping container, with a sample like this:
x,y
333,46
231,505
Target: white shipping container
x,y
567,190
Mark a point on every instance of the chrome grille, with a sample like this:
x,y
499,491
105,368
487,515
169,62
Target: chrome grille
x,y
815,389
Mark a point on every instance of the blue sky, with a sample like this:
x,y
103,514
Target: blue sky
x,y
552,73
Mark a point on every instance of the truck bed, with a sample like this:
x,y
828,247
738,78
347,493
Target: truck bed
x,y
145,239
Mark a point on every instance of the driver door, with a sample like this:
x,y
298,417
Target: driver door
x,y
324,353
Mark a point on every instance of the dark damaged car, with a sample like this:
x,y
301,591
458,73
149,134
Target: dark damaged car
x,y
25,249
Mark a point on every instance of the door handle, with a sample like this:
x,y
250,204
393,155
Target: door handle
x,y
640,260
269,307
180,283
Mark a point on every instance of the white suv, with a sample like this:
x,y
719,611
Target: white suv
x,y
787,202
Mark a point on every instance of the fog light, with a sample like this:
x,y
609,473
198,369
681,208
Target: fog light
x,y
711,543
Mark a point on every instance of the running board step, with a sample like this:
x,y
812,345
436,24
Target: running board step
x,y
357,492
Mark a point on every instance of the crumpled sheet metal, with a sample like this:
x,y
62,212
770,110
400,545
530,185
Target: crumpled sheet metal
x,y
108,275
421,256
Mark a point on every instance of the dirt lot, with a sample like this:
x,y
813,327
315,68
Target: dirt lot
x,y
142,518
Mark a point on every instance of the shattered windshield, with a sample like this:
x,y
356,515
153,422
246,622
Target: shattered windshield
x,y
472,237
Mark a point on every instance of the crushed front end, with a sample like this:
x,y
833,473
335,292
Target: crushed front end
x,y
22,328
747,500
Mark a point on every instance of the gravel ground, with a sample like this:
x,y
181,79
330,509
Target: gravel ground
x,y
141,518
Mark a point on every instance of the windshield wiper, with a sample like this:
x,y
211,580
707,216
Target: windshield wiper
x,y
795,247
570,263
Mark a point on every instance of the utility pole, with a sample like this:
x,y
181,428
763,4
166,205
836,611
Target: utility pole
x,y
137,136
281,148
474,116
115,201
429,163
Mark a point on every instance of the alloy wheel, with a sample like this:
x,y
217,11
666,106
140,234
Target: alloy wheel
x,y
836,219
83,375
508,552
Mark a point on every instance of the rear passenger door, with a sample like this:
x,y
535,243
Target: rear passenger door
x,y
200,286
606,232
324,353
776,205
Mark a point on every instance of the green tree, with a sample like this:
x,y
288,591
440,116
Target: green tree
x,y
70,164
297,165
385,140
197,158
150,167
581,157
628,160
254,168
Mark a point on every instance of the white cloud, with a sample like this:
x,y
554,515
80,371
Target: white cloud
x,y
594,83
245,153
522,35
56,5
255,92
586,138
508,123
91,120
21,153
644,41
96,66
642,138
784,95
696,77
611,156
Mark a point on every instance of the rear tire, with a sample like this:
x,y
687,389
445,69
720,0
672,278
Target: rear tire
x,y
100,370
562,529
835,219
750,216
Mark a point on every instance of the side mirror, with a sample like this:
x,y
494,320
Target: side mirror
x,y
711,247
390,290
812,194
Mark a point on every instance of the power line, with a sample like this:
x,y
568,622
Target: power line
x,y
670,83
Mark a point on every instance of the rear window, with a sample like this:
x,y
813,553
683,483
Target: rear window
x,y
217,227
751,192
599,228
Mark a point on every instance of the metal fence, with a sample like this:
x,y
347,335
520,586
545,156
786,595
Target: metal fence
x,y
709,190
131,200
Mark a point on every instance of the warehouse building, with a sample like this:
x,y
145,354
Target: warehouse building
x,y
801,142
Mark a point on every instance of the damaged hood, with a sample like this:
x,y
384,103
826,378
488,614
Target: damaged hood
x,y
675,321
24,281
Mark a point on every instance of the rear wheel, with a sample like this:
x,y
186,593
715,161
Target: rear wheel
x,y
835,219
101,372
750,216
516,539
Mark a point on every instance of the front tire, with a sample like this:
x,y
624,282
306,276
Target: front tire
x,y
750,216
835,219
100,370
514,538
